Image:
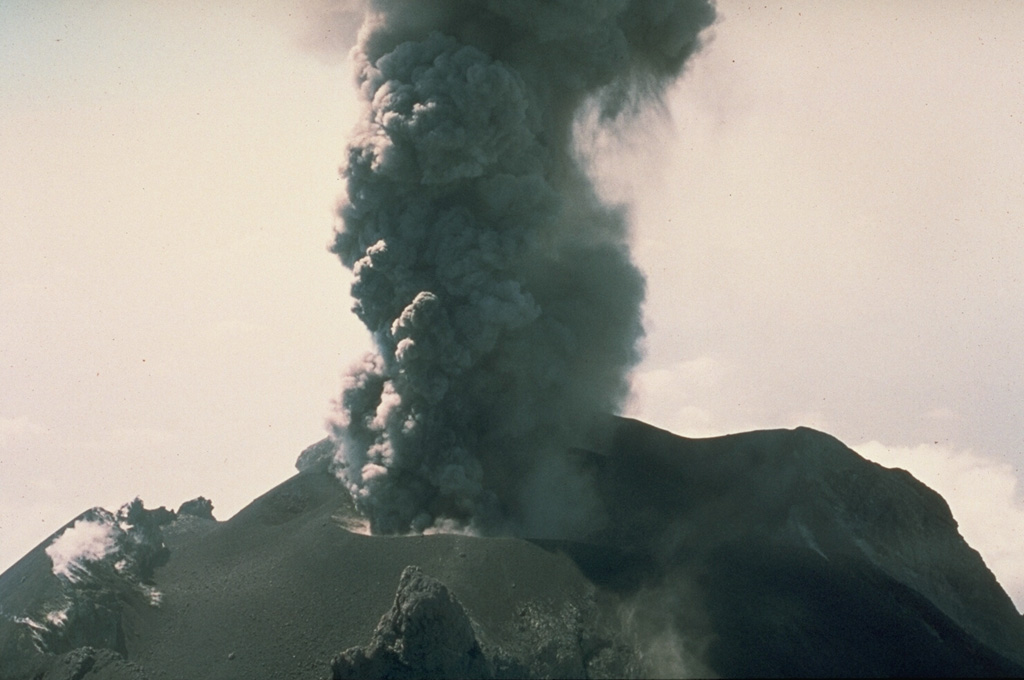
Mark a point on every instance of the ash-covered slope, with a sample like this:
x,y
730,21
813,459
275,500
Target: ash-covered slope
x,y
802,550
766,553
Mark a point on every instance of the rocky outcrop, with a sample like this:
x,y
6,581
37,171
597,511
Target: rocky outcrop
x,y
88,663
197,507
92,578
316,457
104,564
426,634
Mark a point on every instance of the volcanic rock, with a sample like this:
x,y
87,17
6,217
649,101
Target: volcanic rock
x,y
95,664
426,634
197,507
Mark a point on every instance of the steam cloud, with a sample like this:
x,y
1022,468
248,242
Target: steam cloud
x,y
499,290
86,541
129,541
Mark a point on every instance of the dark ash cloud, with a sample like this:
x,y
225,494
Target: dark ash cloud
x,y
500,292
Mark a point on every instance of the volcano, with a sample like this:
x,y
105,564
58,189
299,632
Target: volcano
x,y
770,553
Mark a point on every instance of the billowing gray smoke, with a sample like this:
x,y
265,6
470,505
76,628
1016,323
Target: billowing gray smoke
x,y
499,290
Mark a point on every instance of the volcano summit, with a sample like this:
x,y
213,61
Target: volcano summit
x,y
775,553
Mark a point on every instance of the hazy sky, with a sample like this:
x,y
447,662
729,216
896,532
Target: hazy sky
x,y
830,212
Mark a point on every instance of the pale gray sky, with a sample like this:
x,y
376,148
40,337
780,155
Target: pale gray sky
x,y
831,218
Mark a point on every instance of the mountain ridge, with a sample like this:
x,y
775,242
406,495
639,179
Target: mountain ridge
x,y
778,552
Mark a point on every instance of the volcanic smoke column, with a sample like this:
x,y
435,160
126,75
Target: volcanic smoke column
x,y
499,291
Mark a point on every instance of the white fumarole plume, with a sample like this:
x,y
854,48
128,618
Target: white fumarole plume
x,y
499,290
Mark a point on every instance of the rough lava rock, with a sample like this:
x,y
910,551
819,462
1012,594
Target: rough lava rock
x,y
93,664
317,457
197,507
426,634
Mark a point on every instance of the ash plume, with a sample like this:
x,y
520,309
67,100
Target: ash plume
x,y
499,290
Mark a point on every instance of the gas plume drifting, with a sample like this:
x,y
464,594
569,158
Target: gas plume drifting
x,y
499,290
